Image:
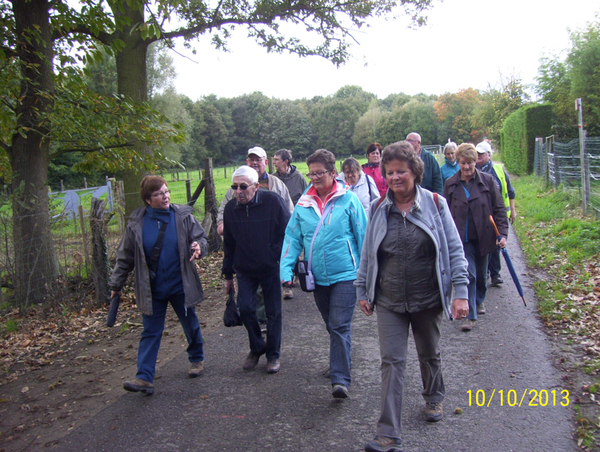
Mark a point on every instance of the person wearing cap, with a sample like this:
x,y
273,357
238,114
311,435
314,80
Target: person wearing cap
x,y
497,171
253,231
257,159
432,178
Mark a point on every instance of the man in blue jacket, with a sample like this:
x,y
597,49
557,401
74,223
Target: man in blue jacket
x,y
254,225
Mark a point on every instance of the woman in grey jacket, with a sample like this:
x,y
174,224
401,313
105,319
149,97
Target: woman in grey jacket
x,y
160,243
360,183
411,259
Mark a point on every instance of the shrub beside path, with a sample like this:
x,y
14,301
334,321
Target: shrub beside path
x,y
228,409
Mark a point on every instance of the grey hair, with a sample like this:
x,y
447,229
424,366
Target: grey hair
x,y
246,171
450,145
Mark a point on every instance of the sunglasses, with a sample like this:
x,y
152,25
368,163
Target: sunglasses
x,y
234,187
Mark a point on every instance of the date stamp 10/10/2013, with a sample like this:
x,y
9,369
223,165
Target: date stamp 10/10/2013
x,y
514,398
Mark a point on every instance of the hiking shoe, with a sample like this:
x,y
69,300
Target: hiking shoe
x,y
196,369
433,411
139,385
273,366
339,392
497,280
251,361
467,325
287,293
481,308
384,444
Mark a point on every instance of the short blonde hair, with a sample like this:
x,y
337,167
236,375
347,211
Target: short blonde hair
x,y
466,151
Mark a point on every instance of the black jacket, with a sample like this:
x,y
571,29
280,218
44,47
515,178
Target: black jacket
x,y
253,234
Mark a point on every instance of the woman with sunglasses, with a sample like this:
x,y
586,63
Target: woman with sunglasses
x,y
160,243
340,218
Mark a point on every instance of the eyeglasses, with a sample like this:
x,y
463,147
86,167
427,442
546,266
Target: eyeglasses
x,y
255,159
234,187
162,194
317,174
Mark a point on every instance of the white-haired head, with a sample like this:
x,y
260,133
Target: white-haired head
x,y
246,171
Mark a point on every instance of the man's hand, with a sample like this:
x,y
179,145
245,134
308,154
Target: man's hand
x,y
365,307
220,229
229,285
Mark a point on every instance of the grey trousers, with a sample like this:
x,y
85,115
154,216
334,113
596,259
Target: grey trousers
x,y
393,343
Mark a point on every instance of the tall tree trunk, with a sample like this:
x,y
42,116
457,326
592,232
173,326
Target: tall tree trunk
x,y
132,82
35,262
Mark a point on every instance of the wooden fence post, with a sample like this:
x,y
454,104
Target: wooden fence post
x,y
84,237
210,208
98,221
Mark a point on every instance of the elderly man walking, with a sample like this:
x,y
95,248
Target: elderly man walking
x,y
432,178
253,230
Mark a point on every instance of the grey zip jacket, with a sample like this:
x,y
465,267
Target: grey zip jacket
x,y
439,225
131,256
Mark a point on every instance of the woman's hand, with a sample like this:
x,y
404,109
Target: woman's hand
x,y
196,251
460,308
502,242
365,307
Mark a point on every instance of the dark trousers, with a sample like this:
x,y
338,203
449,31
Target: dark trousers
x,y
271,287
495,264
478,265
153,329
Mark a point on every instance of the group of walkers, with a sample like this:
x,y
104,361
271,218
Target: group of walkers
x,y
400,235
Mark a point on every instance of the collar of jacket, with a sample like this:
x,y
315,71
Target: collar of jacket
x,y
389,200
308,200
449,163
257,199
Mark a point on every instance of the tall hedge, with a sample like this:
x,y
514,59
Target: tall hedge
x,y
518,133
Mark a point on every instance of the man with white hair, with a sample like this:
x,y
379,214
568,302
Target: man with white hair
x,y
497,171
254,225
432,177
257,159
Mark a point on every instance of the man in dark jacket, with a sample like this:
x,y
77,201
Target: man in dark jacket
x,y
432,178
289,174
253,230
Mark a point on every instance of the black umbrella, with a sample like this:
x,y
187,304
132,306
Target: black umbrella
x,y
114,309
509,264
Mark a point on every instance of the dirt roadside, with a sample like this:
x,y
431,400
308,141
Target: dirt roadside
x,y
54,378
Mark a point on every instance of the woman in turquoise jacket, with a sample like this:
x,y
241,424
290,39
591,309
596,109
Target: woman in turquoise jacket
x,y
335,256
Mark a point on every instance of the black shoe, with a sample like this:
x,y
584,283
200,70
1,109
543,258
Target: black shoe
x,y
383,444
339,392
273,366
139,385
497,280
251,361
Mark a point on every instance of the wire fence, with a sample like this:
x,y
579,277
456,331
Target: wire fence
x,y
561,165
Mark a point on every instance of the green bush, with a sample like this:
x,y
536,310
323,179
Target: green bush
x,y
518,134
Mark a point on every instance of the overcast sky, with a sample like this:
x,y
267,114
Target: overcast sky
x,y
466,43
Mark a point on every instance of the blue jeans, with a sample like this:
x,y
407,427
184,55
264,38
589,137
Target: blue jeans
x,y
478,265
336,305
495,264
153,328
271,288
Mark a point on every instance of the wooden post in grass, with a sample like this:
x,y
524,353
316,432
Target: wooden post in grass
x,y
210,207
84,237
99,219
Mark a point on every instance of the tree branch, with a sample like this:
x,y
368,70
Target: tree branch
x,y
89,150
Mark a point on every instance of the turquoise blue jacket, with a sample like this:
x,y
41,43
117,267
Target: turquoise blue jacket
x,y
336,251
449,169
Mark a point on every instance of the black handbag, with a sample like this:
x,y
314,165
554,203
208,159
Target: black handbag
x,y
231,317
305,276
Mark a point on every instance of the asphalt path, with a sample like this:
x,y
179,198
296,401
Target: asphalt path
x,y
227,409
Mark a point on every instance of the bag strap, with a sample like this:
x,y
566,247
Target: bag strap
x,y
152,260
325,212
436,200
